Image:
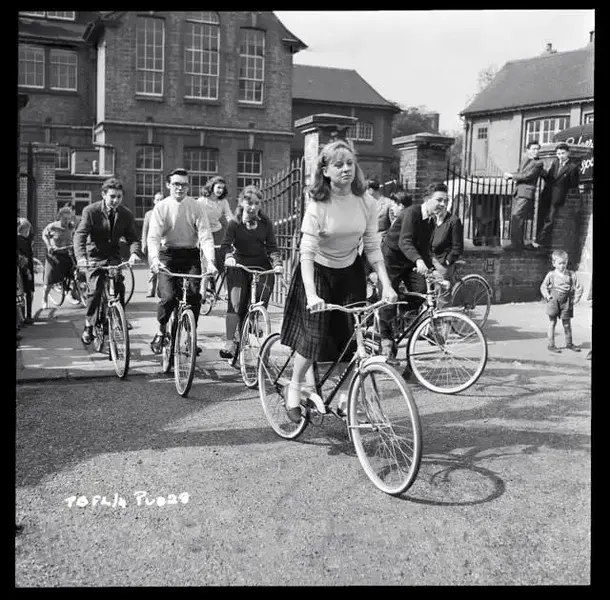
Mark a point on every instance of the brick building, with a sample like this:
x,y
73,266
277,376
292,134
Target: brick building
x,y
135,94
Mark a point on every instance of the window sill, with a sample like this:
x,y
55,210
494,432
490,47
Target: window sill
x,y
200,101
248,105
37,90
150,98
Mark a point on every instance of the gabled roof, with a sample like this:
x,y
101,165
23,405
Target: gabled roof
x,y
338,86
39,29
547,79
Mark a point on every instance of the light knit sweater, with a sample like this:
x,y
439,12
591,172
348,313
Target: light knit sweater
x,y
215,209
332,231
182,224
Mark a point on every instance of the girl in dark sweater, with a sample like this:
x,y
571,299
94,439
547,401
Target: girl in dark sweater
x,y
25,258
250,241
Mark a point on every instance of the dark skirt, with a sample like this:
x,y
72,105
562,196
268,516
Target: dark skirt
x,y
57,267
323,336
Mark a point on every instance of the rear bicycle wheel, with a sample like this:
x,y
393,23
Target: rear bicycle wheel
x,y
447,352
57,293
254,331
167,354
129,281
385,428
185,352
274,373
118,339
472,296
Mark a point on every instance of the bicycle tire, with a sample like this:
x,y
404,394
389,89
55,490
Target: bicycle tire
x,y
255,329
274,372
118,339
167,354
57,293
185,352
129,282
472,296
447,352
385,427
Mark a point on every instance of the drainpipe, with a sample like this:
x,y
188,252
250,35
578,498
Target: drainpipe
x,y
31,195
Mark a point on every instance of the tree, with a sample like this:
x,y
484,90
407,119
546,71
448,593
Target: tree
x,y
455,150
484,78
411,120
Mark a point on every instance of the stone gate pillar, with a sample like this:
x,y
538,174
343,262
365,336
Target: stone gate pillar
x,y
318,130
423,160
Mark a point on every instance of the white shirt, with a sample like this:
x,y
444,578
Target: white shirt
x,y
332,230
182,224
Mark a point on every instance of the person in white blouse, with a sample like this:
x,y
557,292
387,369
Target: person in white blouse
x,y
218,209
331,269
179,231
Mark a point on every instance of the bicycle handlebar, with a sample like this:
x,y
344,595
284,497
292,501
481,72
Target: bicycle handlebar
x,y
353,309
257,270
185,275
105,267
61,247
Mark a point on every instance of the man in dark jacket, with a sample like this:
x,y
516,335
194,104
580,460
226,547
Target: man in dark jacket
x,y
562,176
406,251
447,246
96,241
526,179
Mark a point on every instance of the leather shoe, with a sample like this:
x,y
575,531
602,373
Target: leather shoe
x,y
572,347
156,344
87,336
553,349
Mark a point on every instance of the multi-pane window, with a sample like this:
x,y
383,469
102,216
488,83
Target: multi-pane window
x,y
62,160
251,65
31,66
249,168
76,199
361,131
32,13
149,177
64,15
482,133
150,56
588,118
544,130
201,54
202,164
64,68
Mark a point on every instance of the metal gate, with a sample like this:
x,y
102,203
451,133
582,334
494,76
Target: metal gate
x,y
283,203
483,203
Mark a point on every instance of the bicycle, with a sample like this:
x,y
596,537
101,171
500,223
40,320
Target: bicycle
x,y
382,419
110,320
70,286
210,296
445,350
471,295
179,344
255,327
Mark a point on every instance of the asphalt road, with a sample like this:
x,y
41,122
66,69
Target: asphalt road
x,y
502,497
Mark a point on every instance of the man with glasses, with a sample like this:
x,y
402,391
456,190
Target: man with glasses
x,y
178,235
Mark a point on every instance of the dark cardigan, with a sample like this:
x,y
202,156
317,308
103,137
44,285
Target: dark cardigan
x,y
448,240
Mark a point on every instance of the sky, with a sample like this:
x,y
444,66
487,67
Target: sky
x,y
432,58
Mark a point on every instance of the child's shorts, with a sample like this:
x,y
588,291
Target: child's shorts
x,y
560,305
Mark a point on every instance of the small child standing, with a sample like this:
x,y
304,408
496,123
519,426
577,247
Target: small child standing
x,y
561,289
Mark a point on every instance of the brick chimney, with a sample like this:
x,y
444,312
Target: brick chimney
x,y
549,49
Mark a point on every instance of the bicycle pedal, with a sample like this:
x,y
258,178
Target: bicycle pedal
x,y
314,401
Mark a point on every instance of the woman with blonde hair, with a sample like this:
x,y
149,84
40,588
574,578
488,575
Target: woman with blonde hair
x,y
56,236
331,269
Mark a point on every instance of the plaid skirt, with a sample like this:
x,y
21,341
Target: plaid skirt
x,y
322,336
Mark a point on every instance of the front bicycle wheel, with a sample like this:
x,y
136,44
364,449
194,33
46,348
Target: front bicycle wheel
x,y
185,352
118,339
254,331
99,326
129,281
167,348
385,428
447,352
57,293
274,373
472,296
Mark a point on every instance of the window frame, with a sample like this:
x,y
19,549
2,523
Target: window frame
x,y
40,49
58,166
143,20
205,25
196,175
80,198
143,200
541,133
586,119
60,51
356,131
253,178
50,15
483,129
245,56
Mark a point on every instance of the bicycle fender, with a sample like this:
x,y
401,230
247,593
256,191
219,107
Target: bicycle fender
x,y
373,359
